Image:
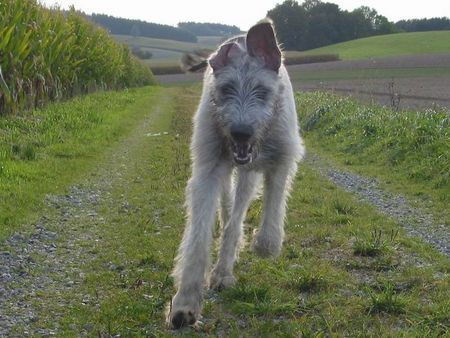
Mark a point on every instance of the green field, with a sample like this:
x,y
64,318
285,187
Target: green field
x,y
389,45
345,270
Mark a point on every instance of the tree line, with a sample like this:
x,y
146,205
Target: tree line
x,y
186,31
308,25
421,25
315,24
142,28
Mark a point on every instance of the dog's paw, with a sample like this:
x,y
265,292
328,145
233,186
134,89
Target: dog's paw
x,y
181,318
184,311
220,281
265,246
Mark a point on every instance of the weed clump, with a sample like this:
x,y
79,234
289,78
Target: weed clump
x,y
374,245
387,301
307,282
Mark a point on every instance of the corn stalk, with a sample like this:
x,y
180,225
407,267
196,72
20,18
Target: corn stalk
x,y
47,55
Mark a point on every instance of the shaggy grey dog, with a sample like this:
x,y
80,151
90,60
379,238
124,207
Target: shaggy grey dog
x,y
246,122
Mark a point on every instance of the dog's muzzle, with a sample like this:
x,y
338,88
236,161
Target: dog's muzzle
x,y
241,147
242,153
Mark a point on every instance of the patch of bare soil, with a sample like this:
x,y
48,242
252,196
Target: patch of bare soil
x,y
400,93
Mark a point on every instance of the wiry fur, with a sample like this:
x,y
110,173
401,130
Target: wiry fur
x,y
241,86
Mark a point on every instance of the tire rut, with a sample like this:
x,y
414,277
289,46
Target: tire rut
x,y
416,222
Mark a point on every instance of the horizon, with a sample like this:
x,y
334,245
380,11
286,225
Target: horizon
x,y
162,14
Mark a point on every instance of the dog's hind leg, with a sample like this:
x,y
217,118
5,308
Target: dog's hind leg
x,y
269,238
222,274
193,259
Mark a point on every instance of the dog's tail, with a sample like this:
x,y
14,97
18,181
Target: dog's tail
x,y
195,61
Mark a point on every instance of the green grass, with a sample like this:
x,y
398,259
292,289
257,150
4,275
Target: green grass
x,y
389,45
317,287
44,150
408,151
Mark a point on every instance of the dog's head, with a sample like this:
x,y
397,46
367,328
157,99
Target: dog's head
x,y
246,84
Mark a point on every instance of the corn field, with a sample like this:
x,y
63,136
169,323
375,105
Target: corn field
x,y
48,54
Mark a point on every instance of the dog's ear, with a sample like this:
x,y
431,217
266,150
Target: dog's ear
x,y
224,55
262,43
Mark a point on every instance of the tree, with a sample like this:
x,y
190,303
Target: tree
x,y
291,24
316,23
324,24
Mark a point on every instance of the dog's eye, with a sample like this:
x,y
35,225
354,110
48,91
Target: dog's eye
x,y
261,93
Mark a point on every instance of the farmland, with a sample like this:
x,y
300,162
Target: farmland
x,y
407,70
415,81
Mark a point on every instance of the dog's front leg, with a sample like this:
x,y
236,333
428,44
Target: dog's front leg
x,y
269,238
202,199
222,274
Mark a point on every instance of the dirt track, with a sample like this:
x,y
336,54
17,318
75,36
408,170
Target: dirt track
x,y
406,91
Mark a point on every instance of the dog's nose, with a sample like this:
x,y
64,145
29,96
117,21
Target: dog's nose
x,y
241,132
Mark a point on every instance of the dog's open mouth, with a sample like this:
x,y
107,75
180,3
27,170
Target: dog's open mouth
x,y
242,153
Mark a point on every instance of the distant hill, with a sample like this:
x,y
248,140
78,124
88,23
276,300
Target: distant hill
x,y
164,49
209,29
389,45
141,28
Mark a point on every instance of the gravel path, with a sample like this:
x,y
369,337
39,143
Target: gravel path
x,y
416,222
47,262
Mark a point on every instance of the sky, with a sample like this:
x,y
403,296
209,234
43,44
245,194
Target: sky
x,y
241,13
